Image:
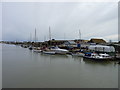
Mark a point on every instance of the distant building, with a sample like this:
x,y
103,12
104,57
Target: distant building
x,y
86,41
81,41
56,42
97,41
69,42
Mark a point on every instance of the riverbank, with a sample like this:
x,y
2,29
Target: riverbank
x,y
74,47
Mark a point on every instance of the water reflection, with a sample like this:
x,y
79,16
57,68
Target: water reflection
x,y
98,62
78,59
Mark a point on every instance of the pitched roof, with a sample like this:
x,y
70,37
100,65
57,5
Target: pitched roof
x,y
93,40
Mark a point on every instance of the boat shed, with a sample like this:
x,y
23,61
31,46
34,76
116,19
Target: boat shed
x,y
97,41
101,48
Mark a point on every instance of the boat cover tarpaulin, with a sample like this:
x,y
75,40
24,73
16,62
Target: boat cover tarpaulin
x,y
102,48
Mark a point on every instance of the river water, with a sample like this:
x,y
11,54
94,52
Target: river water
x,y
23,68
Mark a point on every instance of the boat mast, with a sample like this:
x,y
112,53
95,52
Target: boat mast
x,y
79,34
45,38
35,34
49,33
30,37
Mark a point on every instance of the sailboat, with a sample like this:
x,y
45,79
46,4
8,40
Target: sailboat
x,y
79,54
30,47
54,49
34,48
57,50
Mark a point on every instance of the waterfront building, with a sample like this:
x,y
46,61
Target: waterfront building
x,y
97,41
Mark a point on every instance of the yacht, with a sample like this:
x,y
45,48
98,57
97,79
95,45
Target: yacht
x,y
57,50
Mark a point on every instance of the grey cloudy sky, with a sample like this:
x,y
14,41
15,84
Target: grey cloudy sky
x,y
94,19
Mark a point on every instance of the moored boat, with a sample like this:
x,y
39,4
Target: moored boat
x,y
30,47
24,46
38,51
95,56
48,52
78,54
58,50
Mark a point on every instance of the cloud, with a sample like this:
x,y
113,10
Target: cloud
x,y
93,19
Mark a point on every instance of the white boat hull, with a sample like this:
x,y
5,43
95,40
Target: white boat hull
x,y
38,51
78,54
60,51
48,52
